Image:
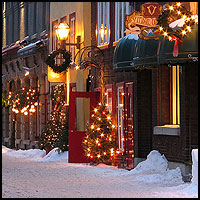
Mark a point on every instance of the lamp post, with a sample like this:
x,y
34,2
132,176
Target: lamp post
x,y
89,56
62,33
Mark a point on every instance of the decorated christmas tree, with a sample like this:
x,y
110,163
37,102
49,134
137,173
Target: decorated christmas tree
x,y
55,133
99,143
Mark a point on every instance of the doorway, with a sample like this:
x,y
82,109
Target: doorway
x,y
81,105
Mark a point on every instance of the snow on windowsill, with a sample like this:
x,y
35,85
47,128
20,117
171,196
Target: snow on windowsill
x,y
168,129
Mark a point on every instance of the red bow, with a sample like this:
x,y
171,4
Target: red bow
x,y
177,41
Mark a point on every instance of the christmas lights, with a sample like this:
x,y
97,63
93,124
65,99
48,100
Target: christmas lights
x,y
23,100
55,133
100,140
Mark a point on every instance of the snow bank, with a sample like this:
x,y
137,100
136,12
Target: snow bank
x,y
5,149
29,154
155,162
155,170
55,155
195,166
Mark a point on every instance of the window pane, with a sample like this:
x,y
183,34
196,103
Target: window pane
x,y
82,113
103,22
175,95
109,99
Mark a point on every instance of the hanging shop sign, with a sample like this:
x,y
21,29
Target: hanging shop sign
x,y
144,24
54,77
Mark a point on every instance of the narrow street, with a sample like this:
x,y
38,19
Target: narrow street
x,y
28,179
25,178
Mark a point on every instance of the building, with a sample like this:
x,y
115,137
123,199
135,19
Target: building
x,y
25,28
151,94
140,77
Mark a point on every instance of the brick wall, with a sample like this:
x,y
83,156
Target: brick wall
x,y
190,99
178,148
144,112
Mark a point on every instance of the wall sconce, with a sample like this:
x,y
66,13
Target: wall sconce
x,y
62,33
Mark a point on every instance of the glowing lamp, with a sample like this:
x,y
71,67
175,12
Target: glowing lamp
x,y
62,31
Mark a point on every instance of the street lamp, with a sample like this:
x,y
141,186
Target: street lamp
x,y
62,32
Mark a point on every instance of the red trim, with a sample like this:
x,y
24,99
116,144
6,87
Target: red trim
x,y
108,86
123,86
99,90
70,17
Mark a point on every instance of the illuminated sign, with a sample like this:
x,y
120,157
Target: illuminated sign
x,y
144,24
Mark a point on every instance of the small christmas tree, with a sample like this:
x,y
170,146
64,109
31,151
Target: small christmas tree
x,y
99,143
55,133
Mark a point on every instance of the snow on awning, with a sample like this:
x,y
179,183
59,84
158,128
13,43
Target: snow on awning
x,y
131,53
31,48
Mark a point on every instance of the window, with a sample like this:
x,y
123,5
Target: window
x,y
168,101
175,95
72,33
103,23
108,98
54,37
121,9
120,121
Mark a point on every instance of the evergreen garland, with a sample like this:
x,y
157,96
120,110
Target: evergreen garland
x,y
172,13
24,100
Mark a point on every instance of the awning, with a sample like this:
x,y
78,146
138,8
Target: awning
x,y
11,50
187,50
31,48
131,52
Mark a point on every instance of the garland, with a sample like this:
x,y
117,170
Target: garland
x,y
59,68
23,100
173,13
175,22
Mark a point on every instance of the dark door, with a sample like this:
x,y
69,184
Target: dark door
x,y
80,106
129,126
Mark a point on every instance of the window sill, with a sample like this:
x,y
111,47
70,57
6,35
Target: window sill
x,y
173,130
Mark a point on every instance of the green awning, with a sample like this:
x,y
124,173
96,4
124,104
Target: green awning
x,y
188,49
132,52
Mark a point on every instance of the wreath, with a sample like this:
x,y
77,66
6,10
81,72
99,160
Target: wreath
x,y
59,68
175,22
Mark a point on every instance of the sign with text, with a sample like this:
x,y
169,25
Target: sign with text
x,y
144,24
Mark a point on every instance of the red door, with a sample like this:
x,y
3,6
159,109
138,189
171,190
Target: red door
x,y
80,106
129,126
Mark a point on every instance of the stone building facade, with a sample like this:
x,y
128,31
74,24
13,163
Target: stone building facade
x,y
25,31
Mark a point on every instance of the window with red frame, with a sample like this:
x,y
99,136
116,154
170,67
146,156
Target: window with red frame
x,y
109,97
72,25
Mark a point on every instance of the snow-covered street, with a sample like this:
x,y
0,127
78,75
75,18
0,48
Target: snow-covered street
x,y
31,174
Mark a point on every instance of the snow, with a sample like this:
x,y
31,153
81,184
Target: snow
x,y
195,166
151,178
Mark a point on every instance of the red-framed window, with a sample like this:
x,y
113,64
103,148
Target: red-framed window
x,y
109,97
72,25
120,114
